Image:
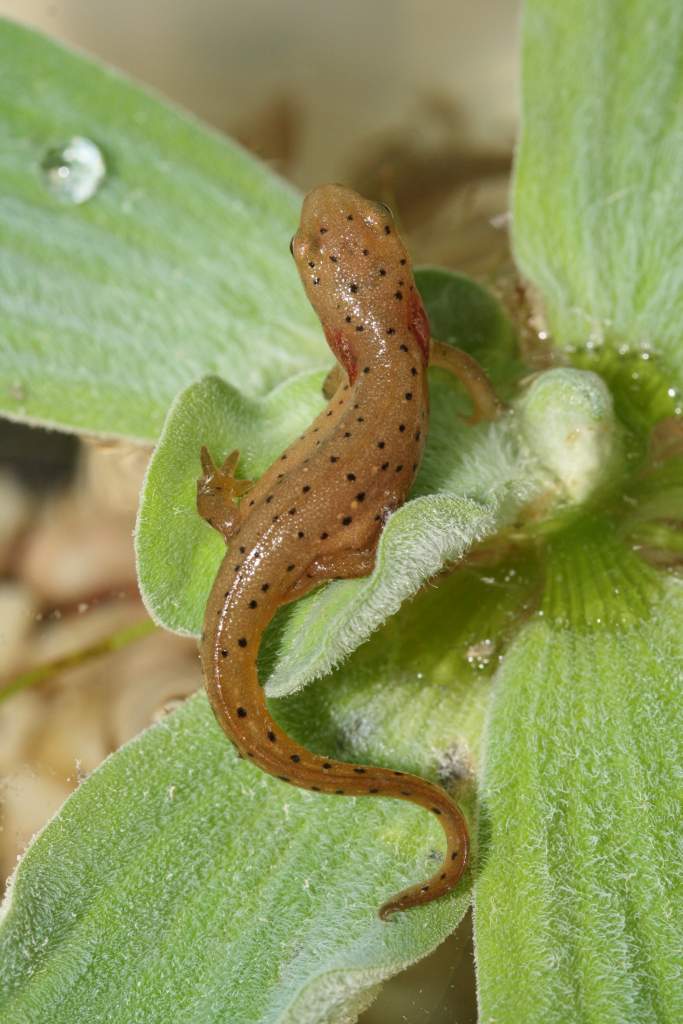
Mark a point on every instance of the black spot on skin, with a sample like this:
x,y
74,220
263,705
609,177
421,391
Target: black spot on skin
x,y
329,413
275,518
350,476
417,435
334,458
353,288
404,348
300,534
387,229
398,295
373,791
339,792
348,319
408,396
385,465
414,466
366,252
360,328
264,587
306,488
380,444
283,778
406,792
399,467
366,369
401,427
454,855
315,789
283,457
391,330
311,263
326,765
360,496
436,810
253,604
359,771
347,520
403,262
290,567
333,258
399,774
292,511
316,280
323,231
350,216
295,758
360,419
425,888
238,567
224,653
271,736
242,549
241,712
324,536
347,433
252,502
269,499
442,876
242,641
382,272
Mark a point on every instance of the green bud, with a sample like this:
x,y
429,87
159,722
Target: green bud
x,y
567,420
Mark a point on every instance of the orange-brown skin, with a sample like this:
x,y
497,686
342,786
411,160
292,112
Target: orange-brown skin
x,y
318,512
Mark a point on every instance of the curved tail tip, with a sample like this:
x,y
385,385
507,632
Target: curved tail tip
x,y
387,909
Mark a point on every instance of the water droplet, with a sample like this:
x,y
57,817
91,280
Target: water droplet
x,y
480,653
74,171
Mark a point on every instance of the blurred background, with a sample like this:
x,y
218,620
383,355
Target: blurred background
x,y
411,101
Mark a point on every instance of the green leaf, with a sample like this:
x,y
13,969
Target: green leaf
x,y
180,883
179,266
597,225
581,877
484,475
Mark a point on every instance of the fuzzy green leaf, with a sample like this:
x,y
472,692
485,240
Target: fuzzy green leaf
x,y
481,476
177,267
597,225
180,883
581,876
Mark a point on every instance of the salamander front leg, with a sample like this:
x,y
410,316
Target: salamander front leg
x,y
469,372
217,490
334,380
343,565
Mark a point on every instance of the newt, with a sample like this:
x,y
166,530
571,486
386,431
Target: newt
x,y
318,512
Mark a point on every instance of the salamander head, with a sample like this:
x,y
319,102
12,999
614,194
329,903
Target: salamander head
x,y
356,273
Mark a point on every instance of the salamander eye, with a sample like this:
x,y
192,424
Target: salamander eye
x,y
291,245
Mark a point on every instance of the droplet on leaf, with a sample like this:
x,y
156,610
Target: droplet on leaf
x,y
74,171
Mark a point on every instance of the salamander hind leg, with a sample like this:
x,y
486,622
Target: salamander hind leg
x,y
342,565
217,490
